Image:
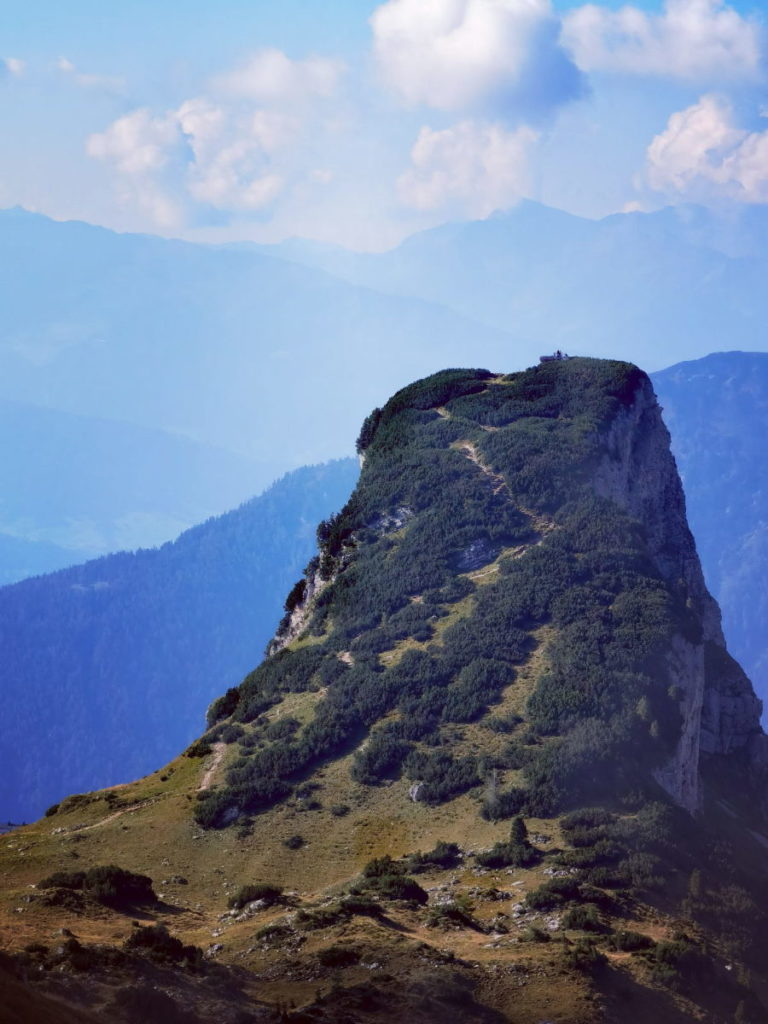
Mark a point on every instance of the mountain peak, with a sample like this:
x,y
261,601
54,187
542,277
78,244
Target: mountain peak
x,y
504,654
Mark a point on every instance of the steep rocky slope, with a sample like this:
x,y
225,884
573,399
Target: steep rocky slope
x,y
500,765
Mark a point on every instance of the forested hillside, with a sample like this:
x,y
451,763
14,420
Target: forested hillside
x,y
107,668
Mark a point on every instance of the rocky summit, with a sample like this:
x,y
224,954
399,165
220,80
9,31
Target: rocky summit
x,y
497,765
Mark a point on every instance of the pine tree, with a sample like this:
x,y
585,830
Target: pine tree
x,y
518,833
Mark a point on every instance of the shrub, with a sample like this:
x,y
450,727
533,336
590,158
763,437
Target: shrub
x,y
586,817
585,956
107,884
223,706
584,918
338,956
449,915
294,842
383,867
51,810
392,887
282,728
516,852
504,804
230,732
340,810
268,894
156,942
117,887
502,724
444,855
361,905
628,941
63,880
607,877
200,748
553,894
274,933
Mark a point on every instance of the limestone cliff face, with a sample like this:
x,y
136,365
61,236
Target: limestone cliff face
x,y
296,622
721,714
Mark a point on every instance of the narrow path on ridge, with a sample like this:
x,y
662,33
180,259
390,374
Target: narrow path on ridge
x,y
219,749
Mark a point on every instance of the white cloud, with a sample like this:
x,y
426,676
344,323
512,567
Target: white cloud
x,y
140,146
229,151
105,83
138,143
270,76
703,153
233,151
486,56
476,168
689,39
13,66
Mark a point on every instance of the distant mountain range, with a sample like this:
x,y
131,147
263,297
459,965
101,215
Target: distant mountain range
x,y
649,287
73,487
206,341
107,668
717,411
159,382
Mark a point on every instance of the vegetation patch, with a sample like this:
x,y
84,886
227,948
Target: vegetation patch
x,y
108,884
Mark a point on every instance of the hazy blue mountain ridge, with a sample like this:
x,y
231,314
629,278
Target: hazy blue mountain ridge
x,y
645,287
205,341
716,409
91,486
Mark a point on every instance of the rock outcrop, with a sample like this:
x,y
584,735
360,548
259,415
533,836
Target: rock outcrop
x,y
721,714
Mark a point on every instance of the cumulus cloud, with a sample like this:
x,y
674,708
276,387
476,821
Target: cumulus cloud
x,y
703,153
475,56
229,150
141,146
689,39
475,168
270,76
12,66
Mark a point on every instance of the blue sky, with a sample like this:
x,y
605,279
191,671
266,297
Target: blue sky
x,y
359,123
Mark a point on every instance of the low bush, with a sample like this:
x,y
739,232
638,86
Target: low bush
x,y
200,748
585,956
267,894
107,884
584,918
156,942
628,941
553,893
392,887
338,956
443,856
449,915
63,880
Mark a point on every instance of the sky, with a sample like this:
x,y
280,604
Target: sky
x,y
359,123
